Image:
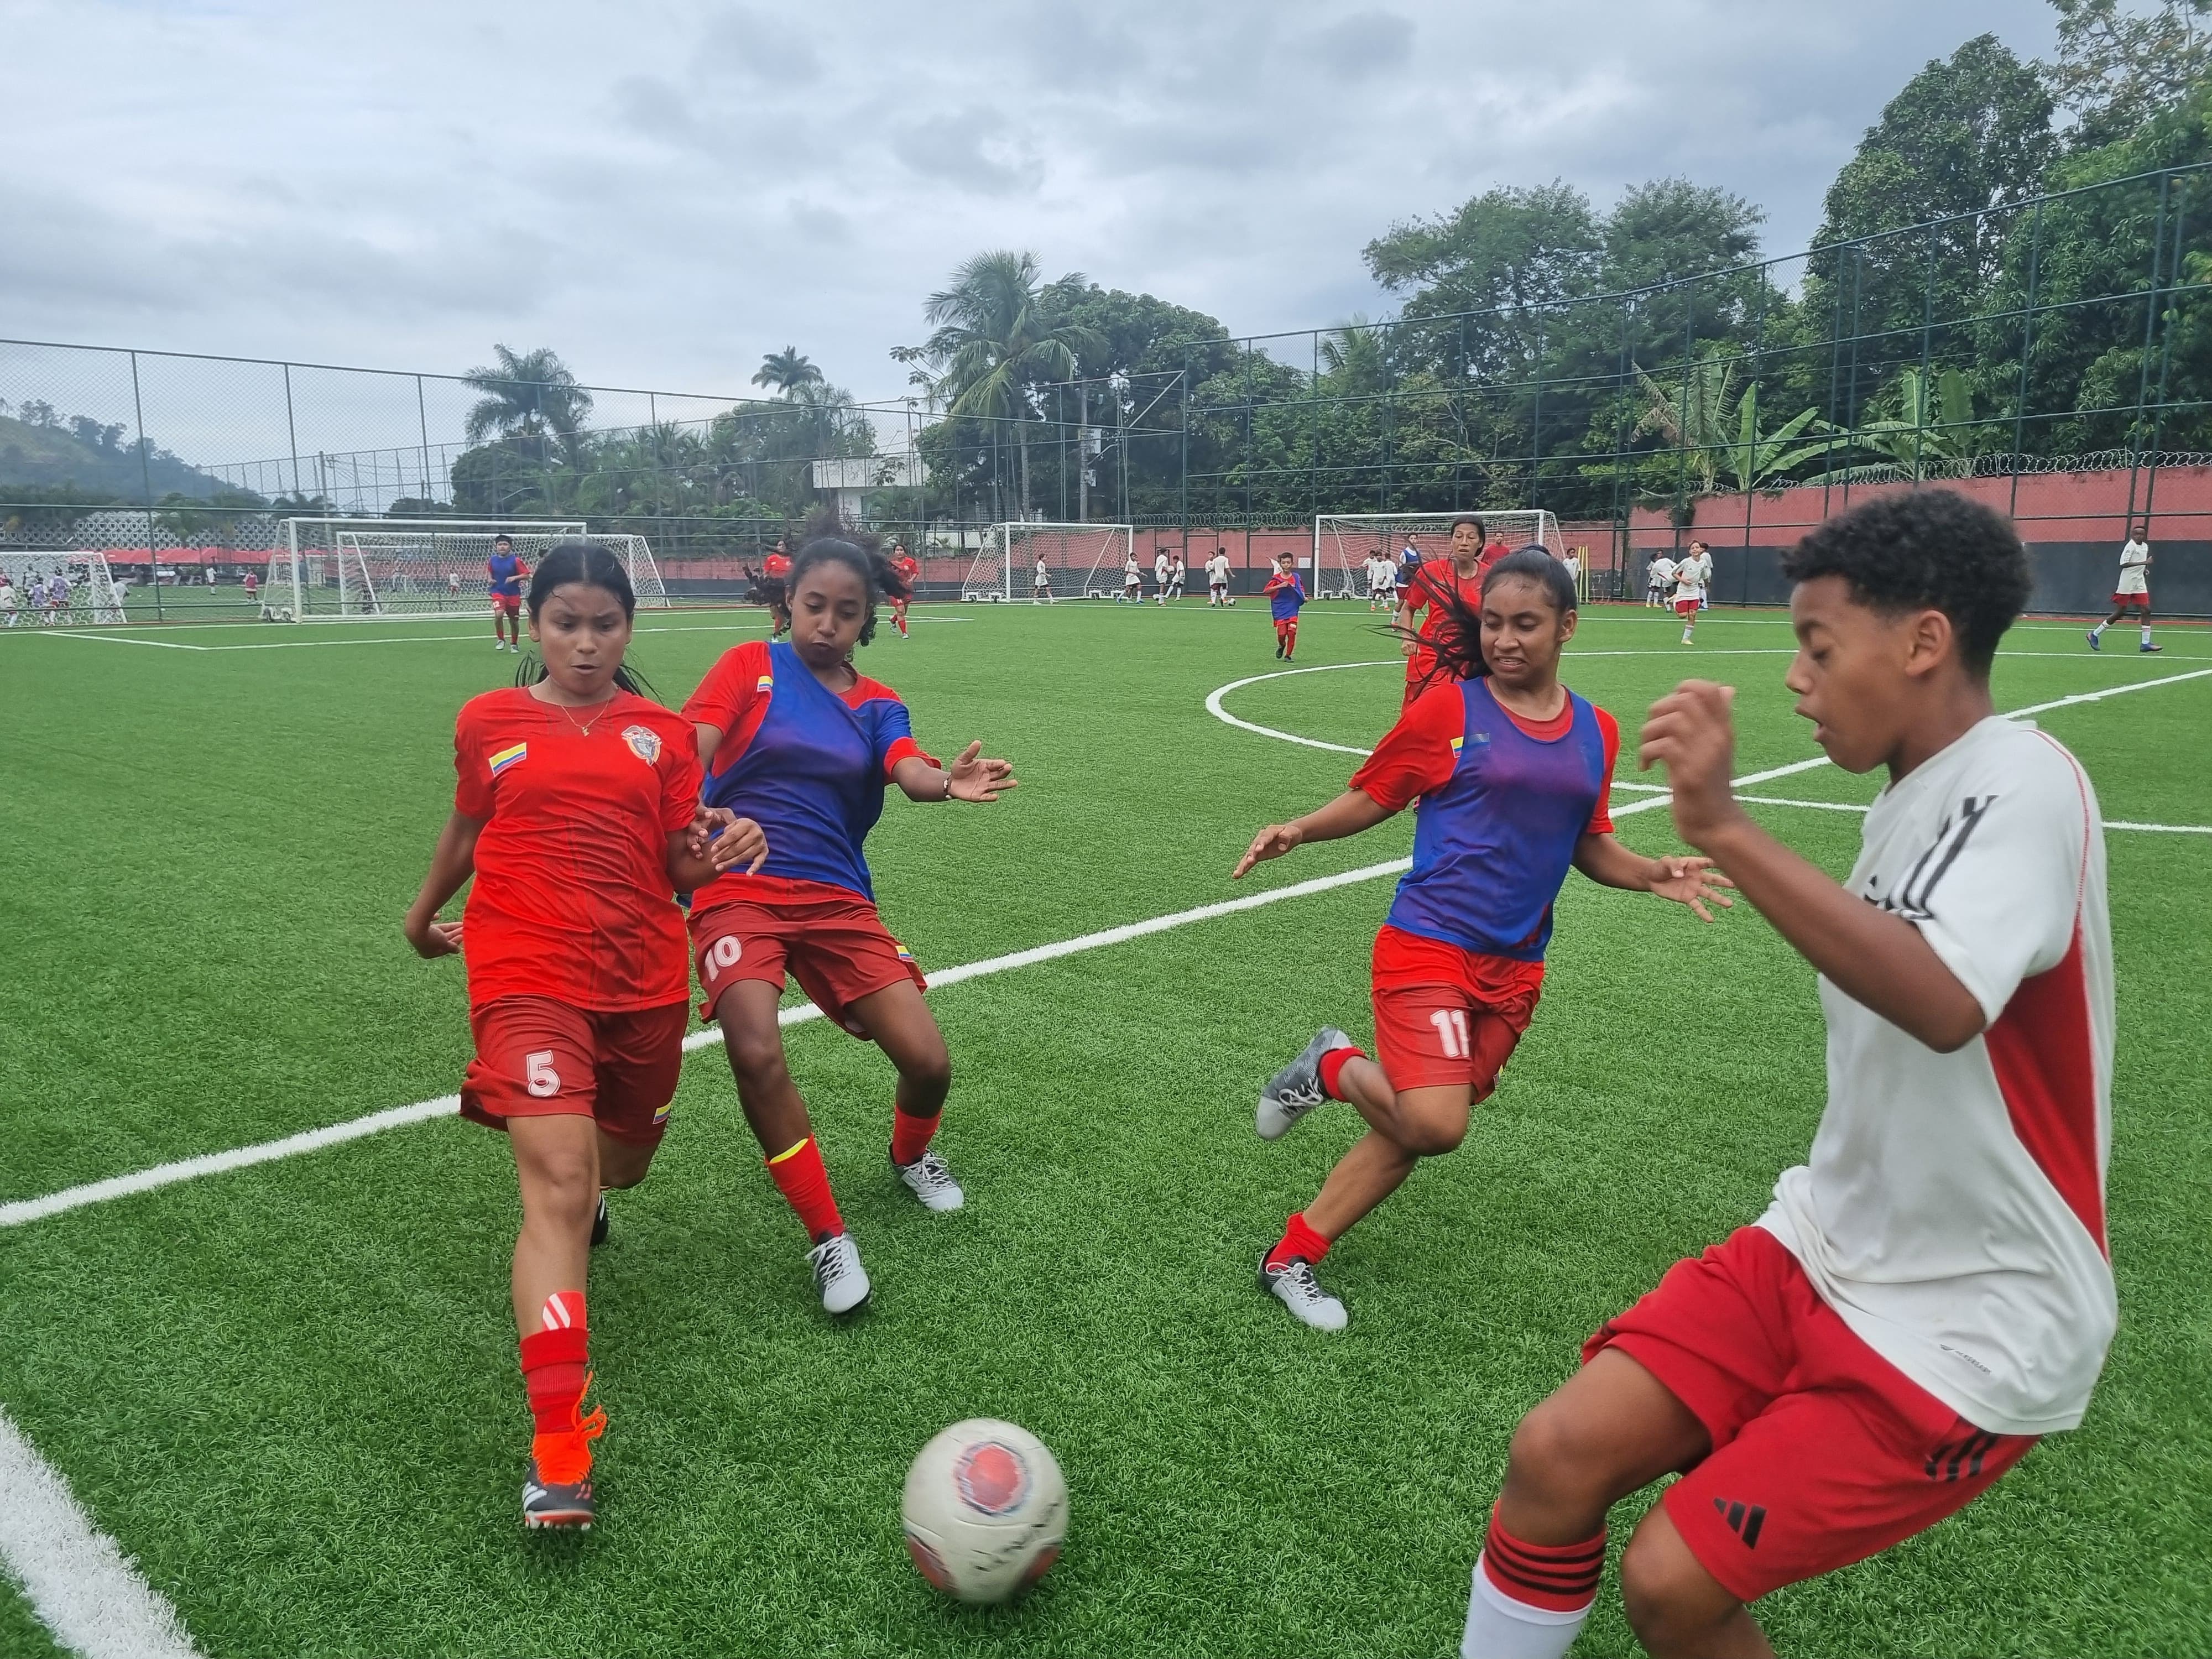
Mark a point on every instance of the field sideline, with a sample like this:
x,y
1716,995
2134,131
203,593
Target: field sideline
x,y
287,1390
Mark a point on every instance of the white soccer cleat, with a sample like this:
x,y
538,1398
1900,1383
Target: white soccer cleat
x,y
928,1180
838,1273
1296,1089
1294,1285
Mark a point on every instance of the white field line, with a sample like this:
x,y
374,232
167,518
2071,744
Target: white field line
x,y
79,1582
23,1211
1658,790
403,639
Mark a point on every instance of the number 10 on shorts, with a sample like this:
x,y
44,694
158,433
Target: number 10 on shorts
x,y
1451,1027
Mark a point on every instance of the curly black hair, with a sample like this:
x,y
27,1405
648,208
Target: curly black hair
x,y
1926,549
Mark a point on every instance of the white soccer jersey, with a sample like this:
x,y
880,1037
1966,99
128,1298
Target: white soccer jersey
x,y
1043,579
1686,585
1130,575
2135,568
1216,570
1160,569
1663,572
1953,1207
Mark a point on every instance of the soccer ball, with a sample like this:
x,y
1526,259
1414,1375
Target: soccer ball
x,y
985,1510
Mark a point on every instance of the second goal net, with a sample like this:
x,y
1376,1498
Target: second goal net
x,y
1050,562
400,566
1344,542
59,588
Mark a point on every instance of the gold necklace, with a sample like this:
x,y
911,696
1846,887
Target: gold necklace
x,y
584,727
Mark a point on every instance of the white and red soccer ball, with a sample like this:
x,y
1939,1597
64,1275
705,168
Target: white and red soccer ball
x,y
985,1511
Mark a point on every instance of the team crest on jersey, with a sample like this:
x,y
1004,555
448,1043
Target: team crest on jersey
x,y
644,743
507,757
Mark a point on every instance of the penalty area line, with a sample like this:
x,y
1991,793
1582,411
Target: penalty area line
x,y
24,1210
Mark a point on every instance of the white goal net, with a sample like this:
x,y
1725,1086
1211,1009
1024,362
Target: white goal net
x,y
417,567
56,589
1079,562
1343,542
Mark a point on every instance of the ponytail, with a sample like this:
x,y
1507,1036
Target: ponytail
x,y
593,566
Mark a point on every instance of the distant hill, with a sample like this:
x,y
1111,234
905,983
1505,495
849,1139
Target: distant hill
x,y
94,458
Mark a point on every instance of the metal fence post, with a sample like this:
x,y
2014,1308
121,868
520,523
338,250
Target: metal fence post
x,y
2150,324
2026,352
146,490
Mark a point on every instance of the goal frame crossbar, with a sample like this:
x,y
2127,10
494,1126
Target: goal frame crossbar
x,y
1542,530
997,574
362,557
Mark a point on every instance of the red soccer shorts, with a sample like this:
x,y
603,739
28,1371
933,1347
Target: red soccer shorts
x,y
1286,628
506,605
1445,1015
1686,609
837,948
537,1057
1824,1453
2132,601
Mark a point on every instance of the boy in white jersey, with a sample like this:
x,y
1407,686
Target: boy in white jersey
x,y
1161,567
1930,1291
2133,592
1041,585
1689,589
1132,581
1216,577
1659,581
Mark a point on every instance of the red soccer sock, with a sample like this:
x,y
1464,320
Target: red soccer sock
x,y
1556,1577
1332,1069
910,1136
805,1184
555,1362
1299,1239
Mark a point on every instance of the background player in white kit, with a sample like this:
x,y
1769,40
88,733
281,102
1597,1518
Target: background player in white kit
x,y
1216,577
1132,581
2133,592
1041,585
1177,573
1688,592
1162,568
1382,582
1658,580
1931,1291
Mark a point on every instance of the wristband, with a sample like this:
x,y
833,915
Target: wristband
x,y
947,795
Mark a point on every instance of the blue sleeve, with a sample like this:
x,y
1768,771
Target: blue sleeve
x,y
891,723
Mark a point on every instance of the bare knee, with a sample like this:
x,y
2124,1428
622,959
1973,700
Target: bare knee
x,y
1554,1464
929,1073
1673,1605
1432,1137
560,1185
756,1057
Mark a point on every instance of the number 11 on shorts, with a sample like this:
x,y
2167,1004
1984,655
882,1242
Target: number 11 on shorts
x,y
1451,1026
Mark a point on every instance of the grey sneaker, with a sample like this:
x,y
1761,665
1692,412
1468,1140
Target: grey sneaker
x,y
838,1273
1296,1089
928,1180
1294,1285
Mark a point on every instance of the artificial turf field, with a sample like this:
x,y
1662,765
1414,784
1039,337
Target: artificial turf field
x,y
289,1391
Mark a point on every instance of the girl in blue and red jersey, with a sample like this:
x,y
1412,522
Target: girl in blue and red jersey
x,y
1285,593
1511,771
796,738
577,813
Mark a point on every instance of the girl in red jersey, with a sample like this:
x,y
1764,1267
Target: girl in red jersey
x,y
1443,589
796,738
577,811
776,571
1511,771
909,573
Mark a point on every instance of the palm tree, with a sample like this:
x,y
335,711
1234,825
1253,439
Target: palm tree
x,y
996,336
527,396
786,371
1355,356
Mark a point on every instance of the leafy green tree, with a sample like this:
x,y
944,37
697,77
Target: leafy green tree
x,y
786,371
997,338
2116,69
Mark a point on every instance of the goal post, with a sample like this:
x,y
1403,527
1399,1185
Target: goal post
x,y
363,567
62,588
1081,561
1344,541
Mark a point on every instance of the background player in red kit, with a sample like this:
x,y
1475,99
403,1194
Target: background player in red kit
x,y
1931,1290
1512,771
1432,595
576,811
909,573
775,572
1285,594
796,738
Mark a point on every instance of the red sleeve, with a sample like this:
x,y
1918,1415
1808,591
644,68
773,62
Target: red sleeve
x,y
905,749
471,780
680,774
1600,819
1416,757
731,688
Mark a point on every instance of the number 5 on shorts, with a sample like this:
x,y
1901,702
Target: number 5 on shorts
x,y
538,1075
1451,1026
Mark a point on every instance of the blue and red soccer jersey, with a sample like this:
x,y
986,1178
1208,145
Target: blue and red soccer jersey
x,y
805,764
1286,592
572,898
506,573
1504,801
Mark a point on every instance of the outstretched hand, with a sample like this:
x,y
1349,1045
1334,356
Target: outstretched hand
x,y
1694,882
1271,842
977,778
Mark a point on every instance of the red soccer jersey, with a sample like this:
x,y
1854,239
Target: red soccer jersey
x,y
775,567
572,898
907,568
1428,592
1419,755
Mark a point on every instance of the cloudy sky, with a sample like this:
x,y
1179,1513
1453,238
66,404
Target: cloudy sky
x,y
664,192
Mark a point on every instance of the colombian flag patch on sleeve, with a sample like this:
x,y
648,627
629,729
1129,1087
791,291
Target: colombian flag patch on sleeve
x,y
507,757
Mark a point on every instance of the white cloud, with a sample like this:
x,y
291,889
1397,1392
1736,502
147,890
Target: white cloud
x,y
662,195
